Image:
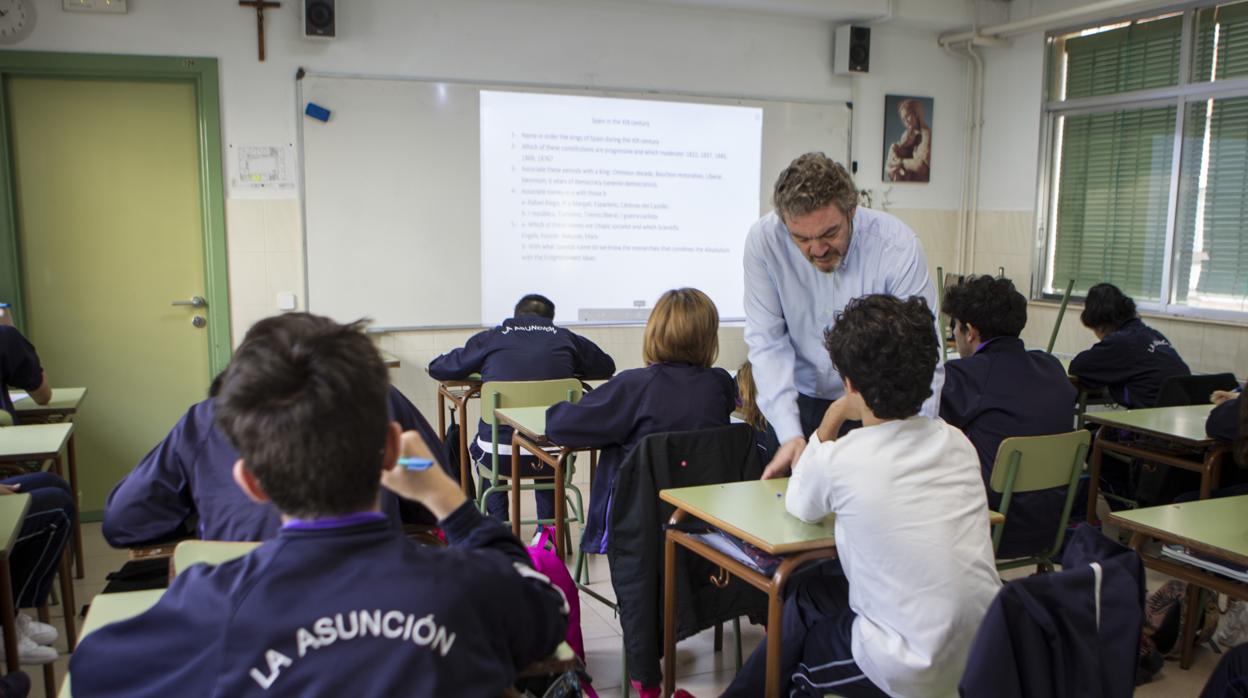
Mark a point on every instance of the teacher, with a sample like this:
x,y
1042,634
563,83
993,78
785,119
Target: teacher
x,y
804,261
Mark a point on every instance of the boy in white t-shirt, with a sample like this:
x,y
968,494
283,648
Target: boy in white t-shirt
x,y
916,565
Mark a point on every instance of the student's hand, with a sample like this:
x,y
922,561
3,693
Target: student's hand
x,y
785,458
432,487
842,409
10,489
1220,396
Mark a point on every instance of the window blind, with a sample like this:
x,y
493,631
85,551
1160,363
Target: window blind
x,y
1113,193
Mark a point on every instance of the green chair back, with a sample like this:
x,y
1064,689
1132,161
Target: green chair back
x,y
1031,463
502,394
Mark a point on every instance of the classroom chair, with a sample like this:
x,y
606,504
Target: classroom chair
x,y
635,543
1031,463
503,394
1193,390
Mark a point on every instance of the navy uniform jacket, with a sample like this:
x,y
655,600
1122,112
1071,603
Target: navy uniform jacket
x,y
352,609
19,366
1074,633
1223,421
191,473
629,407
524,348
1132,361
1003,390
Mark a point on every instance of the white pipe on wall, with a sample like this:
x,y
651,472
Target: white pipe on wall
x,y
1090,11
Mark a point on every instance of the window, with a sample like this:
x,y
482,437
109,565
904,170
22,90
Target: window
x,y
1147,185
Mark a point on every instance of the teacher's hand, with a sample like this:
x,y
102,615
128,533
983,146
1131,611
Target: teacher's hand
x,y
786,457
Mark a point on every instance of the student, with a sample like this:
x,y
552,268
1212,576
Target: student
x,y
19,366
185,480
751,413
526,347
1224,420
1131,359
49,520
997,390
339,603
678,390
912,529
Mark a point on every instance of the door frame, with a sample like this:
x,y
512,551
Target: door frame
x,y
201,74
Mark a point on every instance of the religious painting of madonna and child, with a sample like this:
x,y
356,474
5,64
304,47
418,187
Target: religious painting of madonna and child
x,y
907,139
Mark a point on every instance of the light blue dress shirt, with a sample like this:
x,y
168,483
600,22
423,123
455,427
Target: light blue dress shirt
x,y
789,303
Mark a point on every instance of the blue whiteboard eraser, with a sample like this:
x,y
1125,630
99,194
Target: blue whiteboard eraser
x,y
317,112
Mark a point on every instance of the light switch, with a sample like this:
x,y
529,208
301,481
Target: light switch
x,y
287,301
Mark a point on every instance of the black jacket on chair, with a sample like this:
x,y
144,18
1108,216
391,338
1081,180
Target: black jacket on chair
x,y
1074,633
635,545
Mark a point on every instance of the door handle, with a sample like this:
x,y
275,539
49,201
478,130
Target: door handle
x,y
194,302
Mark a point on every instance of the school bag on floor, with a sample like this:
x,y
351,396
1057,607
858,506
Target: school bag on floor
x,y
545,555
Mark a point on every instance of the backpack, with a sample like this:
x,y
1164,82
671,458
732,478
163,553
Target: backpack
x,y
545,556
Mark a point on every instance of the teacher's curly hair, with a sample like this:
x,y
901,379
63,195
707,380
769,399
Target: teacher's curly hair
x,y
812,182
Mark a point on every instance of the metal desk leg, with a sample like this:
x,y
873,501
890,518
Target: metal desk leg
x,y
669,608
1094,475
461,406
515,484
561,505
8,616
1189,626
79,556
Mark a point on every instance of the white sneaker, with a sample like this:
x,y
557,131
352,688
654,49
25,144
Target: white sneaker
x,y
41,633
29,652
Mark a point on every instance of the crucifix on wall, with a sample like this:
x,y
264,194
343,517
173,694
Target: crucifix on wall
x,y
261,6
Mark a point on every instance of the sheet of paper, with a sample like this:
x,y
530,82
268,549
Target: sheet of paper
x,y
262,171
16,395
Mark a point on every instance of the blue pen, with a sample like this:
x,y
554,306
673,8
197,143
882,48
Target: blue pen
x,y
415,463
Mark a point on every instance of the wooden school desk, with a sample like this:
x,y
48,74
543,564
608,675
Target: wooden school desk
x,y
459,392
754,512
111,608
1169,429
528,426
1215,528
63,406
211,552
13,510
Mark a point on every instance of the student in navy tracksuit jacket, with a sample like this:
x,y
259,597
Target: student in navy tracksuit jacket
x,y
678,390
45,530
188,475
1131,359
527,347
997,390
1224,420
339,603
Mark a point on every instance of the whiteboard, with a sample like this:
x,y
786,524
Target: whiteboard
x,y
392,219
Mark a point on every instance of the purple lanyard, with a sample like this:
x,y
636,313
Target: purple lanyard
x,y
335,521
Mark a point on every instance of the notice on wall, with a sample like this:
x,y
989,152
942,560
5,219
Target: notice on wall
x,y
262,171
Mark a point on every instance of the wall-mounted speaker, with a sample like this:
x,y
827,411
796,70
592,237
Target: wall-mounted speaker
x,y
319,20
851,50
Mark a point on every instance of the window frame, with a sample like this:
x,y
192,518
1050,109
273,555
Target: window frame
x,y
1179,96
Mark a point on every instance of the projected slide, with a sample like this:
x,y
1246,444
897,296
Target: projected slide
x,y
603,204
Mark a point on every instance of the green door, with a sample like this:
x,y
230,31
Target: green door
x,y
107,183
